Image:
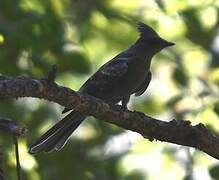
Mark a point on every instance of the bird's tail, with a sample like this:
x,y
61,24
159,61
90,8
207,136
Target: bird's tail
x,y
56,137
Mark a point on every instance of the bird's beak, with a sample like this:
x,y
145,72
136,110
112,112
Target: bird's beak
x,y
167,43
170,43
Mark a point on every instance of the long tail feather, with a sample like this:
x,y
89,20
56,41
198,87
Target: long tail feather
x,y
56,137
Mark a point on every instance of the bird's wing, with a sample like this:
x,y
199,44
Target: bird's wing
x,y
112,70
142,88
115,68
104,80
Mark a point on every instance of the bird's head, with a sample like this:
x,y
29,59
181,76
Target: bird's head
x,y
151,39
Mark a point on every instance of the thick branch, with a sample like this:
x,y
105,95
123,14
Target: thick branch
x,y
178,132
11,127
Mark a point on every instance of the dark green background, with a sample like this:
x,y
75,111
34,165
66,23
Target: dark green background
x,y
79,36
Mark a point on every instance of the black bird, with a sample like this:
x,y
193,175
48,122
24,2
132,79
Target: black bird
x,y
126,74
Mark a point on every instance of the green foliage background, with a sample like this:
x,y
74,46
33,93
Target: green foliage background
x,y
79,36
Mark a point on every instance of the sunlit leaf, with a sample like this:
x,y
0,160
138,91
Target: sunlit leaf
x,y
1,39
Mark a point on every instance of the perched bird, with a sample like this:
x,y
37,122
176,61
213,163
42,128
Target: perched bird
x,y
126,74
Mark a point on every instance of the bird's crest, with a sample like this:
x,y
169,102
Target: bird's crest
x,y
146,31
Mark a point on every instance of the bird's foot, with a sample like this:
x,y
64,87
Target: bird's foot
x,y
120,108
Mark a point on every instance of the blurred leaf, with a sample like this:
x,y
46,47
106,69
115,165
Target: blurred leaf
x,y
195,30
180,76
161,5
216,108
188,177
214,172
149,106
172,102
204,94
135,175
1,39
74,61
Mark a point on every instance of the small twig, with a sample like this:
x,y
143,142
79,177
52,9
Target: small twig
x,y
189,164
2,176
52,74
11,127
18,167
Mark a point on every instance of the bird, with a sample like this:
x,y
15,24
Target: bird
x,y
126,74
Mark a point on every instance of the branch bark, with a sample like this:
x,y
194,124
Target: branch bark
x,y
177,132
11,127
2,174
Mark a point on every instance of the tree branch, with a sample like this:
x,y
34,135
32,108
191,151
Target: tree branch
x,y
178,132
2,175
11,127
